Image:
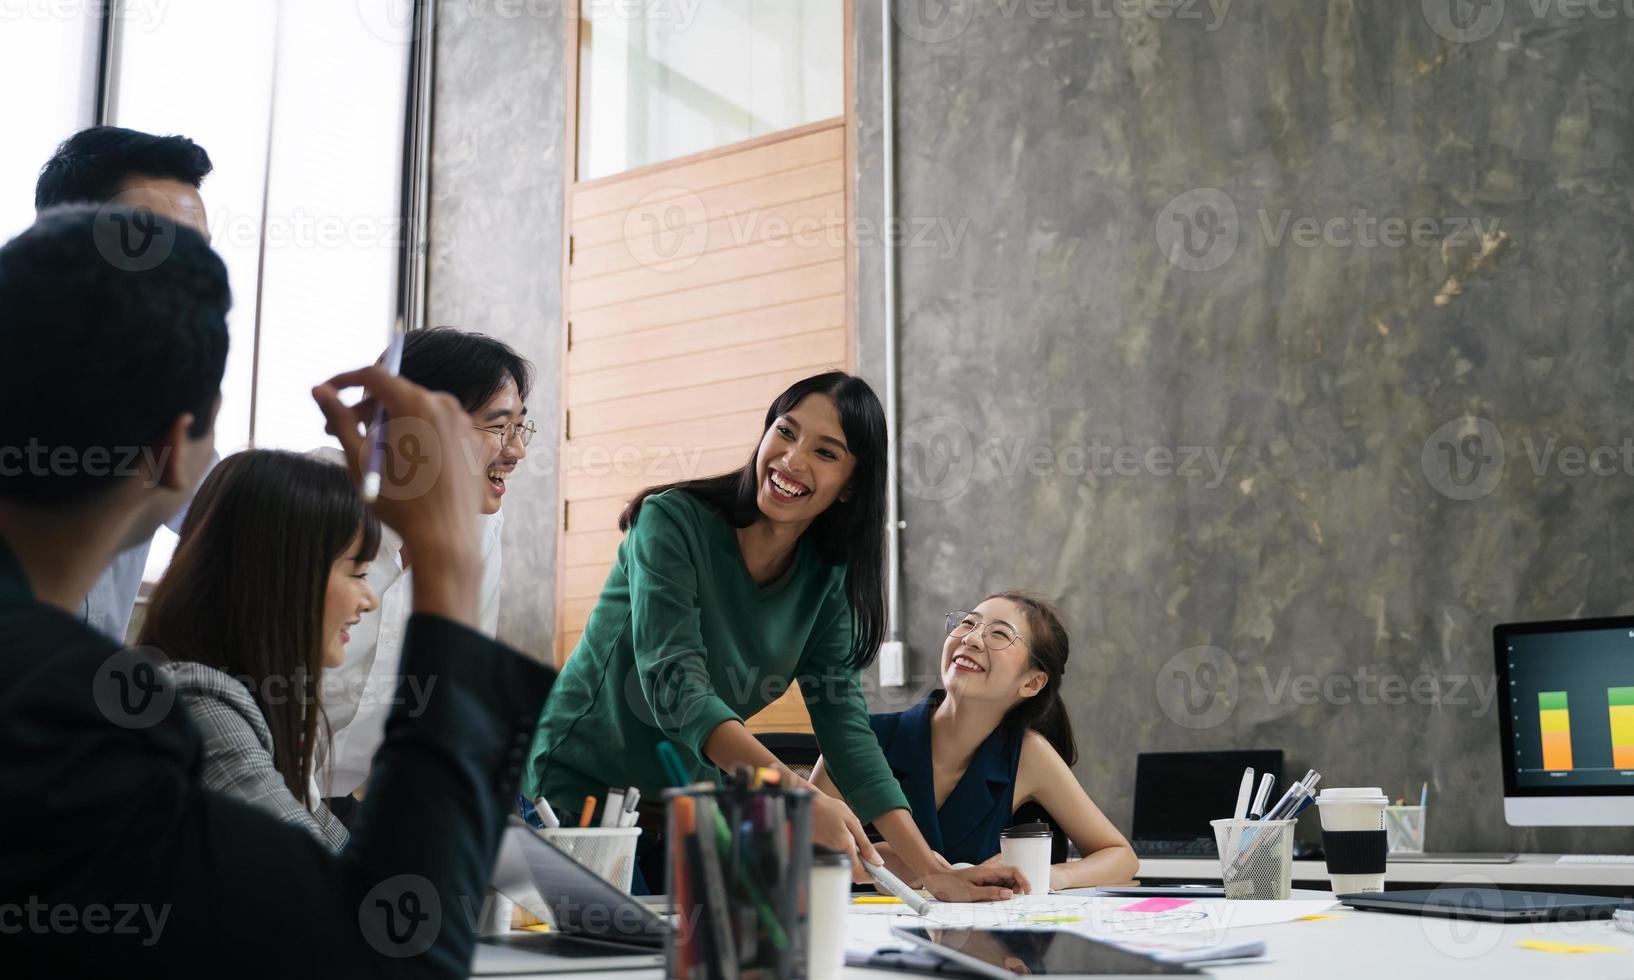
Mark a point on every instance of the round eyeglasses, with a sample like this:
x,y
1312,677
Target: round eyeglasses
x,y
524,430
996,636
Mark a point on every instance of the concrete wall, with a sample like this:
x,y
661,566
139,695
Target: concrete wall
x,y
1326,373
496,251
1256,594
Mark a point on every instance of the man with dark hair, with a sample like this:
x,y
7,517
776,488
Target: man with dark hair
x,y
158,175
115,854
491,382
100,164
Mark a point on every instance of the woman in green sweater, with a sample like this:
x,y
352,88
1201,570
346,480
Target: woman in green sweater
x,y
725,592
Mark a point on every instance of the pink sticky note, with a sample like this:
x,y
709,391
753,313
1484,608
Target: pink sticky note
x,y
1155,905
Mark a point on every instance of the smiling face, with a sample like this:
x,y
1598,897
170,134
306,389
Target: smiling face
x,y
803,464
972,670
494,456
346,599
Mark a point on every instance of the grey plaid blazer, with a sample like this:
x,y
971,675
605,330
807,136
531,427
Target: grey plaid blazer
x,y
238,749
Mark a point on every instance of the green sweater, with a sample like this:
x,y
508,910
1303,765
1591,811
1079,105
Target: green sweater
x,y
681,640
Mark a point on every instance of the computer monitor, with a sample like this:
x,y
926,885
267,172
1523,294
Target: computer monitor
x,y
1567,724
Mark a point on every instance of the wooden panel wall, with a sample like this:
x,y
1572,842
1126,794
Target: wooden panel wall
x,y
696,291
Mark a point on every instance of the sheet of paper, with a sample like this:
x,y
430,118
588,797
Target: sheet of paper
x,y
1196,921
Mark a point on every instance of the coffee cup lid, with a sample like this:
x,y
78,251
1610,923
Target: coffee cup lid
x,y
1351,794
1035,829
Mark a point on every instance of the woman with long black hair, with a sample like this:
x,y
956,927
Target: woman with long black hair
x,y
726,591
269,576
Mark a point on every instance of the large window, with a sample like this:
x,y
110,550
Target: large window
x,y
667,78
301,105
48,72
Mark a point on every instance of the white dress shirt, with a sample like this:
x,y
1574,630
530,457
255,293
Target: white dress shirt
x,y
359,694
113,595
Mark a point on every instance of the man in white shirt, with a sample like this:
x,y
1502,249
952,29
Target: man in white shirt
x,y
491,381
123,168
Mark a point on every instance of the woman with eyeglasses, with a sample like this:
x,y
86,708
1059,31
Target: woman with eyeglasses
x,y
725,592
491,382
994,739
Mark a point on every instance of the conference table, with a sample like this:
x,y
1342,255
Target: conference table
x,y
1345,944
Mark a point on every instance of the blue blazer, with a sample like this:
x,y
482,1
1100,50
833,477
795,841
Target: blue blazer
x,y
967,825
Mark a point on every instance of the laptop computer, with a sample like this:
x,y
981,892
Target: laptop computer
x,y
1487,904
597,927
1178,793
1454,857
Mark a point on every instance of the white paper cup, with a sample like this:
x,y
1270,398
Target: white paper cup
x,y
1351,817
1026,847
830,897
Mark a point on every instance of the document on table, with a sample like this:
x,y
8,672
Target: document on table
x,y
1175,924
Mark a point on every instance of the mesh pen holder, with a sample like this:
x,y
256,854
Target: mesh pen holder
x,y
1256,857
1405,827
609,852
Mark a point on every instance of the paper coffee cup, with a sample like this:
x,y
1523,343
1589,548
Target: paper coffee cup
x,y
1353,836
1026,847
830,897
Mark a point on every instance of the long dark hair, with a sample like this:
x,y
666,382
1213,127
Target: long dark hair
x,y
245,590
849,533
1044,712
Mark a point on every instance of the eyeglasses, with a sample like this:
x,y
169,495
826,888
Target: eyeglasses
x,y
525,430
996,636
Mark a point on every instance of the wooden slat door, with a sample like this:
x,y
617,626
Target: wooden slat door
x,y
697,290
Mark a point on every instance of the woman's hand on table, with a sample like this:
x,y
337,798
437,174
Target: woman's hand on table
x,y
982,883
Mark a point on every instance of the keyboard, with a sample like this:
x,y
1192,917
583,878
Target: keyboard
x,y
1176,848
1595,859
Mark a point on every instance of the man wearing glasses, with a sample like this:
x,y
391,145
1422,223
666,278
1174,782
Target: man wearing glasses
x,y
491,381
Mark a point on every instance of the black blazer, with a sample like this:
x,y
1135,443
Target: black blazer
x,y
113,854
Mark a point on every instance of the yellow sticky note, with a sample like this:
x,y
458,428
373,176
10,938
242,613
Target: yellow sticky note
x,y
1315,918
538,927
1550,946
877,900
1053,918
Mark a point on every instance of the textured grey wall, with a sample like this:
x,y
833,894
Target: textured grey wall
x,y
496,250
1041,159
1322,552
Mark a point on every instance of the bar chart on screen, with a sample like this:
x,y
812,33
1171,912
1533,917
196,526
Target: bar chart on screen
x,y
1621,706
1554,724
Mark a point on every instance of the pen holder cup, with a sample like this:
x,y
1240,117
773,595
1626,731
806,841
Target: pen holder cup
x,y
609,852
1256,857
739,873
1404,829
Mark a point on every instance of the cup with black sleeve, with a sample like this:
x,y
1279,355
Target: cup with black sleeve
x,y
1353,836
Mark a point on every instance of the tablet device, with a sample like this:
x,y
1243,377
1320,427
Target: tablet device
x,y
1486,904
1005,953
533,872
1162,891
598,927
